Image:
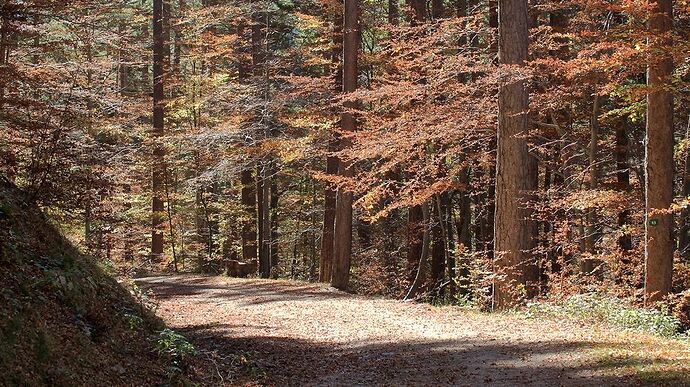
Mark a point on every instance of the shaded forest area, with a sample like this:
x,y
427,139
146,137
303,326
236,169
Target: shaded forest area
x,y
472,152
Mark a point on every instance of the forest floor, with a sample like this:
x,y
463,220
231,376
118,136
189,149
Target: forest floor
x,y
267,332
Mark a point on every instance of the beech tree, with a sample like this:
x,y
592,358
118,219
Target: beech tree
x,y
254,137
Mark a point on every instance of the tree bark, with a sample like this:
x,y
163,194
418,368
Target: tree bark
x,y
393,12
332,164
342,246
659,158
158,129
516,169
437,9
420,275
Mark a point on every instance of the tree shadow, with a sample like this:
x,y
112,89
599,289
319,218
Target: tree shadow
x,y
288,361
471,361
248,291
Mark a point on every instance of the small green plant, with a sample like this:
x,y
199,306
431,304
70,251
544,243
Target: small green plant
x,y
174,347
107,266
134,321
611,311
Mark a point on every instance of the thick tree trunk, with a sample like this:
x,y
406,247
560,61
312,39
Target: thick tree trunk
x,y
342,246
332,164
516,169
659,159
326,264
158,129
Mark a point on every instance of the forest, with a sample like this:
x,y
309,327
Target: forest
x,y
509,159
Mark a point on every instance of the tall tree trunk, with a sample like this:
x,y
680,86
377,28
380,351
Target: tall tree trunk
x,y
158,129
332,164
587,264
488,228
516,169
259,211
326,263
266,240
275,198
342,246
659,158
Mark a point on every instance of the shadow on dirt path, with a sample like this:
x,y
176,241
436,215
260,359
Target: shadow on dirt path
x,y
303,334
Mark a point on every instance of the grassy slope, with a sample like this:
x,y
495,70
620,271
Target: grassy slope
x,y
62,320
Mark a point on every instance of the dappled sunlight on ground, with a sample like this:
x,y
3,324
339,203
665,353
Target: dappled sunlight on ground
x,y
308,334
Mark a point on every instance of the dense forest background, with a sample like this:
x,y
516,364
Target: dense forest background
x,y
240,136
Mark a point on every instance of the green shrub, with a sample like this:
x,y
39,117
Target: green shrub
x,y
615,312
174,347
134,321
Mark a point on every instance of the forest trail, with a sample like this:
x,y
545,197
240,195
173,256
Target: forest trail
x,y
307,334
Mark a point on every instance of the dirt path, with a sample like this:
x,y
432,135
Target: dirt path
x,y
305,334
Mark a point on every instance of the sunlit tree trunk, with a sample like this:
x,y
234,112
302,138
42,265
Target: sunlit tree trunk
x,y
659,157
332,163
516,169
342,245
158,128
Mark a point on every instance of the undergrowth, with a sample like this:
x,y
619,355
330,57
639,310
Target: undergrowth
x,y
176,349
617,313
